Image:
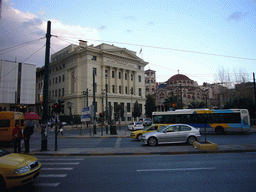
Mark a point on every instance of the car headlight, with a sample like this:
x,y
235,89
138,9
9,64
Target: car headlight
x,y
22,170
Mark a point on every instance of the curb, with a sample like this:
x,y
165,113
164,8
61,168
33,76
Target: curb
x,y
142,153
91,137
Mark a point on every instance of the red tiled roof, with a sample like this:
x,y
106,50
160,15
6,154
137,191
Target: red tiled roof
x,y
178,77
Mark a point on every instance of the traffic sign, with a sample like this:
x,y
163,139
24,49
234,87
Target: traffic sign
x,y
86,114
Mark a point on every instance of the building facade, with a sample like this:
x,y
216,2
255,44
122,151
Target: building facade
x,y
183,87
117,72
17,86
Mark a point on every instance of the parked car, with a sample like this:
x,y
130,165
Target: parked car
x,y
137,134
146,121
17,169
176,133
135,126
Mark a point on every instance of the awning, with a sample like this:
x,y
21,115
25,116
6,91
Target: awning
x,y
32,116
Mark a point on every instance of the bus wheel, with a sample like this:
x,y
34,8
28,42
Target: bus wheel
x,y
219,130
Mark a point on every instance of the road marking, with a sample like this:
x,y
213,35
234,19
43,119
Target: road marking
x,y
57,169
118,142
52,175
178,169
61,163
47,184
60,159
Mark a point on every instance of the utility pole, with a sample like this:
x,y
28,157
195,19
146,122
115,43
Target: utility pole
x,y
181,97
106,88
45,91
254,88
94,103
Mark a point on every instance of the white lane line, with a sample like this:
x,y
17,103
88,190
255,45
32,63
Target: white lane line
x,y
118,142
57,169
60,163
60,159
47,184
52,175
178,169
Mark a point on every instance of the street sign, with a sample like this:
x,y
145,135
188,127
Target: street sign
x,y
86,114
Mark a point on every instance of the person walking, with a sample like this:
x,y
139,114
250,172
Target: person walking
x,y
17,136
27,132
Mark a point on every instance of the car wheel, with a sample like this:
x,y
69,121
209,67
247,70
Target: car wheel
x,y
139,137
219,130
191,140
152,141
2,184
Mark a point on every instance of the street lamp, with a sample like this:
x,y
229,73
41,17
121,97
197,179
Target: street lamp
x,y
131,91
181,96
106,91
206,96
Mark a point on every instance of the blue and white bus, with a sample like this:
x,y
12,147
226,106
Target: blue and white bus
x,y
219,121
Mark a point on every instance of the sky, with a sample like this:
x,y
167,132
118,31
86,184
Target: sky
x,y
208,40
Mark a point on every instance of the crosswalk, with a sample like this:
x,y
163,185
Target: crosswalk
x,y
55,169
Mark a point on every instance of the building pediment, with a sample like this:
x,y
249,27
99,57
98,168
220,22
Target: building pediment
x,y
121,52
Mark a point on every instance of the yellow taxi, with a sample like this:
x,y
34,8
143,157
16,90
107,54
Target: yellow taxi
x,y
137,134
17,169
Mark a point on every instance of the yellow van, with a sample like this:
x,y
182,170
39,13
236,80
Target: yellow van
x,y
8,119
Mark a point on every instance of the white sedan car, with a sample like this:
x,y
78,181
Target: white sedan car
x,y
176,133
136,126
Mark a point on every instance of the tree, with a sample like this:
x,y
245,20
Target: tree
x,y
242,103
169,101
136,110
196,105
150,105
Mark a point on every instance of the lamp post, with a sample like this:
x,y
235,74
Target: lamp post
x,y
106,89
181,96
131,91
206,97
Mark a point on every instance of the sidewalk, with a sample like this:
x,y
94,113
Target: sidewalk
x,y
144,150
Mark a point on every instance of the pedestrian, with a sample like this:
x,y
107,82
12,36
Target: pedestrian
x,y
17,136
27,132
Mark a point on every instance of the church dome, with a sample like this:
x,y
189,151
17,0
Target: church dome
x,y
179,77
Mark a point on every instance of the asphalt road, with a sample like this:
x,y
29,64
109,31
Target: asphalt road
x,y
200,172
35,142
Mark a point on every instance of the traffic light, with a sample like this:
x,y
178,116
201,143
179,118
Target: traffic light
x,y
55,107
101,114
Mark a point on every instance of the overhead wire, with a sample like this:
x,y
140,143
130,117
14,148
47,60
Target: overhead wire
x,y
20,45
33,53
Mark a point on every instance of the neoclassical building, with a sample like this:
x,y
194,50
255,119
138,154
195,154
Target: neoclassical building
x,y
181,86
71,78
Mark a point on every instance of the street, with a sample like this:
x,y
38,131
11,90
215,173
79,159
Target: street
x,y
184,172
63,142
200,172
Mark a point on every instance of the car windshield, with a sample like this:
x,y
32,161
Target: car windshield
x,y
161,129
148,128
2,152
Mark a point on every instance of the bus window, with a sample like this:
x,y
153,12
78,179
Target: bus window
x,y
4,123
22,122
17,121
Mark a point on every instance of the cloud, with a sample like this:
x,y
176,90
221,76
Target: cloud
x,y
151,23
237,16
18,28
132,18
102,27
